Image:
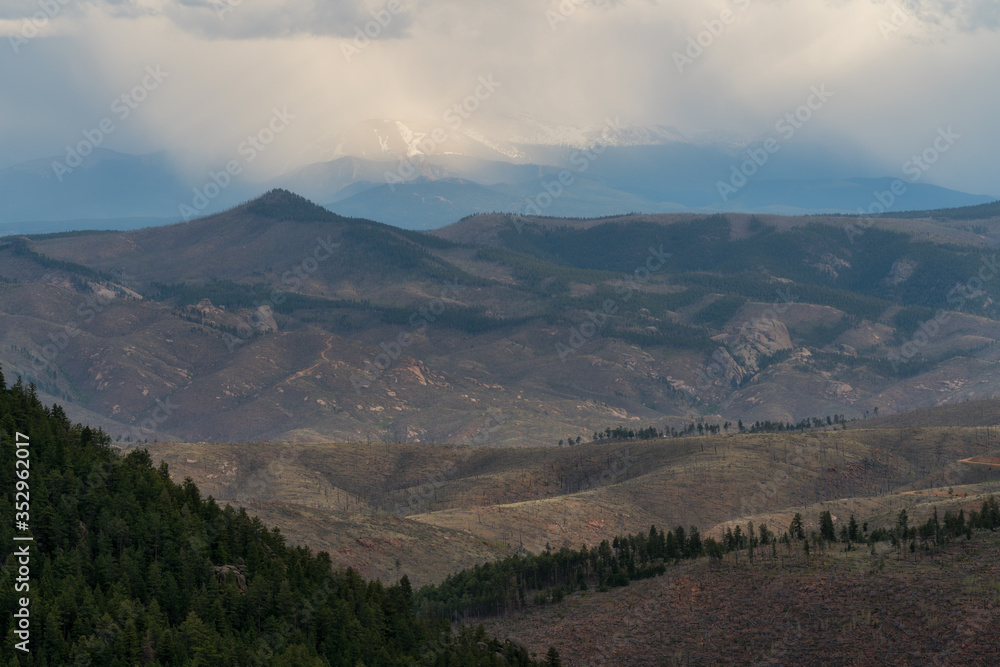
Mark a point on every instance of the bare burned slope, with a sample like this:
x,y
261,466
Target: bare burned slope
x,y
985,412
433,507
834,608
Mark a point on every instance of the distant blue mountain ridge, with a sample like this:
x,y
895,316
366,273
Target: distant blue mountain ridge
x,y
111,190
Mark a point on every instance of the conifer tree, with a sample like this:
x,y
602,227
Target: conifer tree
x,y
826,529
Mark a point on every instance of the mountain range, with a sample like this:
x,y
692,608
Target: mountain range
x,y
430,175
278,319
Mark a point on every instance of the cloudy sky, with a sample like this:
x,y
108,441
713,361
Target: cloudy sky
x,y
897,71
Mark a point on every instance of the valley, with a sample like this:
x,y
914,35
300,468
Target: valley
x,y
373,505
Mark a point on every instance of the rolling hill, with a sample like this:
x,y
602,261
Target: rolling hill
x,y
463,504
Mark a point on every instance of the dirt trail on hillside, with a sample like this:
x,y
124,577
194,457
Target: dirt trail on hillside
x,y
932,493
983,461
329,346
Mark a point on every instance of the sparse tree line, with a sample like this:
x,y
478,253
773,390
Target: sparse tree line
x,y
934,532
622,433
524,580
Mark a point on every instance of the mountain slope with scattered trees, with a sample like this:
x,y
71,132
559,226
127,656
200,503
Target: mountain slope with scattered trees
x,y
129,568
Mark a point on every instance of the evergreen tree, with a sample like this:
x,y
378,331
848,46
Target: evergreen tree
x,y
694,542
902,524
826,529
795,529
853,532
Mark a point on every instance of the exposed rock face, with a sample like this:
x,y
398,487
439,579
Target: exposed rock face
x,y
421,372
207,309
901,270
723,370
262,319
754,341
757,340
105,291
245,320
839,390
830,264
222,573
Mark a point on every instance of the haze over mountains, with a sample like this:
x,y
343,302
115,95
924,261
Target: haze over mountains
x,y
428,176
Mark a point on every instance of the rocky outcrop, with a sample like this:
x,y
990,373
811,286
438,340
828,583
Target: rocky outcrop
x,y
422,373
261,318
722,370
901,271
238,571
245,320
206,309
757,340
830,265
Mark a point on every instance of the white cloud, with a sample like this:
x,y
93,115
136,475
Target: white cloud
x,y
606,59
948,15
234,19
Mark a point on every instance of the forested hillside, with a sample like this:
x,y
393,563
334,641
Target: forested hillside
x,y
129,568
